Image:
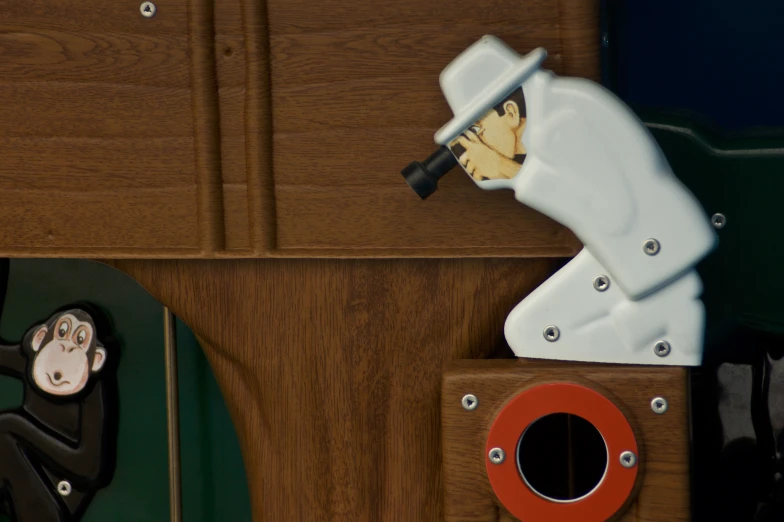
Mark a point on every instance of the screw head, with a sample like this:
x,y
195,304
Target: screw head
x,y
651,247
64,488
601,283
551,333
605,40
659,405
628,459
718,220
662,348
496,455
470,402
148,9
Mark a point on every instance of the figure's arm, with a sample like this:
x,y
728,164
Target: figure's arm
x,y
12,362
83,460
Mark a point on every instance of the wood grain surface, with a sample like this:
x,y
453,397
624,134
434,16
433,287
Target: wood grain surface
x,y
244,128
331,370
663,494
97,147
355,98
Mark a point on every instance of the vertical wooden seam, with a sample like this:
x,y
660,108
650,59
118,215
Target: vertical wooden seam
x,y
258,127
206,125
579,33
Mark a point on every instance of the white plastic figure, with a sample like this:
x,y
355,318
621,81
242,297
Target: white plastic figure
x,y
573,151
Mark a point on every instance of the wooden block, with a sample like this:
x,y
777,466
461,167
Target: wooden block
x,y
663,440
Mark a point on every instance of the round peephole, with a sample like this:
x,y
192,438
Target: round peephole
x,y
562,457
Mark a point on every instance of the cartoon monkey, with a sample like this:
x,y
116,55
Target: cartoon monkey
x,y
58,449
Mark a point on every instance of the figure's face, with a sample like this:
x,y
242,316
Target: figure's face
x,y
62,364
500,133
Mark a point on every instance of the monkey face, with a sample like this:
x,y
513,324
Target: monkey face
x,y
65,355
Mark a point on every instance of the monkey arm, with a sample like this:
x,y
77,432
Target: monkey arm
x,y
12,362
81,461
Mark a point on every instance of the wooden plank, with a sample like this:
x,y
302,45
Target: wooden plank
x,y
35,54
331,370
355,98
297,16
395,51
233,164
75,164
97,135
90,110
258,127
97,16
352,217
663,494
145,218
206,125
235,200
230,77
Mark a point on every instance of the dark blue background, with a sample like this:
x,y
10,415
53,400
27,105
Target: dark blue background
x,y
721,59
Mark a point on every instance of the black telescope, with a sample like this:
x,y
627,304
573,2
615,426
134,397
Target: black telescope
x,y
423,177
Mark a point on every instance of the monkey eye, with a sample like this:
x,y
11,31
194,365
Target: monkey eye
x,y
62,330
80,338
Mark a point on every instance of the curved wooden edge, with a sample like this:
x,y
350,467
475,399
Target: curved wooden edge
x,y
331,369
240,394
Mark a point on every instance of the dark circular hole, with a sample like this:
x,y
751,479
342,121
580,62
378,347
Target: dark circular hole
x,y
228,51
562,457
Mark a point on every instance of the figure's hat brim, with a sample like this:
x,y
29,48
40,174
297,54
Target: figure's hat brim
x,y
461,69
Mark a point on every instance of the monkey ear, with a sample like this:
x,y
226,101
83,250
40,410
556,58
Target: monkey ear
x,y
38,337
99,358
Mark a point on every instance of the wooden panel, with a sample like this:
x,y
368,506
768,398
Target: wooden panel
x,y
97,146
231,74
357,218
663,494
98,99
235,197
332,370
355,98
91,220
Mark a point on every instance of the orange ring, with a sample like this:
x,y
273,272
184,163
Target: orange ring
x,y
533,404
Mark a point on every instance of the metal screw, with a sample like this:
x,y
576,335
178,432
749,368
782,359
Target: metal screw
x,y
470,402
628,459
651,247
659,405
601,283
552,333
718,220
605,40
148,9
64,488
496,455
662,348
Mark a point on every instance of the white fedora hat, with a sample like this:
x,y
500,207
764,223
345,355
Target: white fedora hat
x,y
479,78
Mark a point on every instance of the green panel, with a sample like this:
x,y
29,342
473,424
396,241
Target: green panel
x,y
214,484
743,178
